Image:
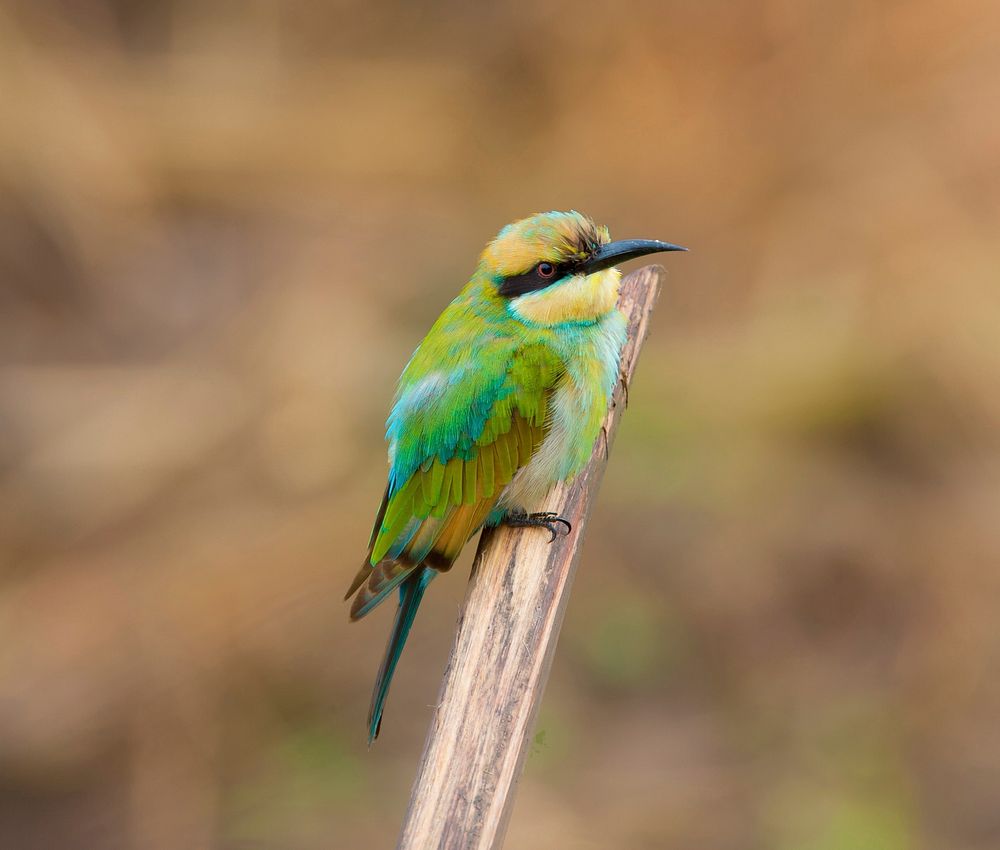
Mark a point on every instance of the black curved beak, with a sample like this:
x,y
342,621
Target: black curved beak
x,y
627,249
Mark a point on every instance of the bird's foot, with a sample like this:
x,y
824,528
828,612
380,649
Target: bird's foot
x,y
545,519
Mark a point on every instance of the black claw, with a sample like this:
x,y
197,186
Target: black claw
x,y
544,519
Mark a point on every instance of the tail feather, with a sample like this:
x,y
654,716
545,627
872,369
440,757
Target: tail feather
x,y
410,594
385,577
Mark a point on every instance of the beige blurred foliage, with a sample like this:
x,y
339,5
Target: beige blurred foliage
x,y
223,228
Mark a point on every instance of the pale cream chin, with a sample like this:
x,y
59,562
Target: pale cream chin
x,y
579,299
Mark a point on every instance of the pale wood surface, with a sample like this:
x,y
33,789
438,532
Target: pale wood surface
x,y
507,634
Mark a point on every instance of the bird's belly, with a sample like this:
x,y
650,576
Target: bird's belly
x,y
554,460
576,411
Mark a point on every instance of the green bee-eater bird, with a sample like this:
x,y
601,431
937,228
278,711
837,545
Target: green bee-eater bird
x,y
503,398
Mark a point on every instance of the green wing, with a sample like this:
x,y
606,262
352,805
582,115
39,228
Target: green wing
x,y
429,516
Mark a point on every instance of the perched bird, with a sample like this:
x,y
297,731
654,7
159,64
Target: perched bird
x,y
503,398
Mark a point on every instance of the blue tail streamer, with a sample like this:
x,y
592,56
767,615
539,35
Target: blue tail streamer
x,y
410,593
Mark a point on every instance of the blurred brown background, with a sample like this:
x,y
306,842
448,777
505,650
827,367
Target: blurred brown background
x,y
223,228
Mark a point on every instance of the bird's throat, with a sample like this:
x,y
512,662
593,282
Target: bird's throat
x,y
583,298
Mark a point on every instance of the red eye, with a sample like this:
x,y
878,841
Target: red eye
x,y
546,269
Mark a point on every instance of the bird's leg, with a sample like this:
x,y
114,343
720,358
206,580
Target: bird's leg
x,y
545,519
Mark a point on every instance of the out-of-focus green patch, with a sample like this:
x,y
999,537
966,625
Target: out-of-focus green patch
x,y
554,741
815,817
725,420
306,774
838,401
666,427
856,741
628,642
849,791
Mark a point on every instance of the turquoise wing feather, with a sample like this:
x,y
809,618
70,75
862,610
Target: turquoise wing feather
x,y
469,411
456,451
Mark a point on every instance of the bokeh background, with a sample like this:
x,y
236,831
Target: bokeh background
x,y
223,228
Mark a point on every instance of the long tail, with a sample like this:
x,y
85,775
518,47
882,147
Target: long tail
x,y
411,591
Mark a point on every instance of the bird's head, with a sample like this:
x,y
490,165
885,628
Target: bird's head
x,y
558,267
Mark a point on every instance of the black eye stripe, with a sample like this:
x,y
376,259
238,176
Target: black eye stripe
x,y
532,280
